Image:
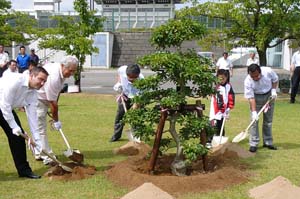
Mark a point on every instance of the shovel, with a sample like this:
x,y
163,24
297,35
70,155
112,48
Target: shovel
x,y
217,140
72,154
245,133
64,167
32,145
129,133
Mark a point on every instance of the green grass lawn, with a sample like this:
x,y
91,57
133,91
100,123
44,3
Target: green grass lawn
x,y
88,124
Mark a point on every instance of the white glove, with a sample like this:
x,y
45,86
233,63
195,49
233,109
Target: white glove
x,y
226,113
17,131
118,87
273,93
254,116
57,125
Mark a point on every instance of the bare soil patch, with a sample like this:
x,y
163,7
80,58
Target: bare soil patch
x,y
278,188
225,170
79,172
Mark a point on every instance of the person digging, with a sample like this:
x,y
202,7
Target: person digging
x,y
259,85
221,104
126,76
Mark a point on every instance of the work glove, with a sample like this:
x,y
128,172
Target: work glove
x,y
17,131
57,125
118,87
254,116
226,113
273,93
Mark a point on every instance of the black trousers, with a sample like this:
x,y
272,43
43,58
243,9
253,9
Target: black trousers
x,y
17,145
295,82
118,126
218,127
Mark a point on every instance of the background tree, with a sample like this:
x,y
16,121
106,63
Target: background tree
x,y
254,23
191,77
15,26
73,35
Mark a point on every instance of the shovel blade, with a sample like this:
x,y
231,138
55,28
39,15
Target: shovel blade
x,y
74,155
131,137
217,140
240,137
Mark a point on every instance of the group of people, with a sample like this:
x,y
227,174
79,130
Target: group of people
x,y
36,89
259,86
22,62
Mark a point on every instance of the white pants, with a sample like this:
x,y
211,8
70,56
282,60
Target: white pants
x,y
33,128
42,108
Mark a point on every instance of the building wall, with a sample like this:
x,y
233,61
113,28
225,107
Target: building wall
x,y
128,46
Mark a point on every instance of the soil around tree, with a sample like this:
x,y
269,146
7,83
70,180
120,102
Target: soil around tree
x,y
79,172
225,170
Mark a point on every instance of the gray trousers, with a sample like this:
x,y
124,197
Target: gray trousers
x,y
267,122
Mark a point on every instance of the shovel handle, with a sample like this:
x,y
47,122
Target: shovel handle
x,y
64,137
222,129
260,111
123,103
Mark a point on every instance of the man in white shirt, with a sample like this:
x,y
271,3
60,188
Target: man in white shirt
x,y
12,67
3,59
252,59
126,76
295,73
259,86
48,98
226,64
15,92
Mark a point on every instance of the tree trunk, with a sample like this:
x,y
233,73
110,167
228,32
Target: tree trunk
x,y
262,56
78,82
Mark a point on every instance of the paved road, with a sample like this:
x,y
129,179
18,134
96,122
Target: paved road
x,y
102,81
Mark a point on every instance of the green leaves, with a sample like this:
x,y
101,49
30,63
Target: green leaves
x,y
175,32
14,25
73,34
178,75
253,23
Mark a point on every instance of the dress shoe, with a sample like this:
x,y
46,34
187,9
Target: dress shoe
x,y
271,147
292,101
29,174
113,139
253,149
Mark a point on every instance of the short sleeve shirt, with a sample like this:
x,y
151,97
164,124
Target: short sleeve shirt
x,y
296,59
128,88
262,86
54,83
224,63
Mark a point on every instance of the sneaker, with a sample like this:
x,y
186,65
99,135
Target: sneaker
x,y
48,161
38,158
271,147
208,145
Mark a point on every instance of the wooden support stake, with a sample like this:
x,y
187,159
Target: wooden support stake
x,y
203,135
158,135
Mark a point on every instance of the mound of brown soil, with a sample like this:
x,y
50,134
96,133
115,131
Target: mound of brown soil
x,y
79,171
147,191
224,170
278,188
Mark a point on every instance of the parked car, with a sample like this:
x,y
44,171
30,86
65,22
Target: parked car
x,y
208,55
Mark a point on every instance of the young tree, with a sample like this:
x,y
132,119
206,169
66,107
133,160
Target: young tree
x,y
191,76
14,25
73,35
254,23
